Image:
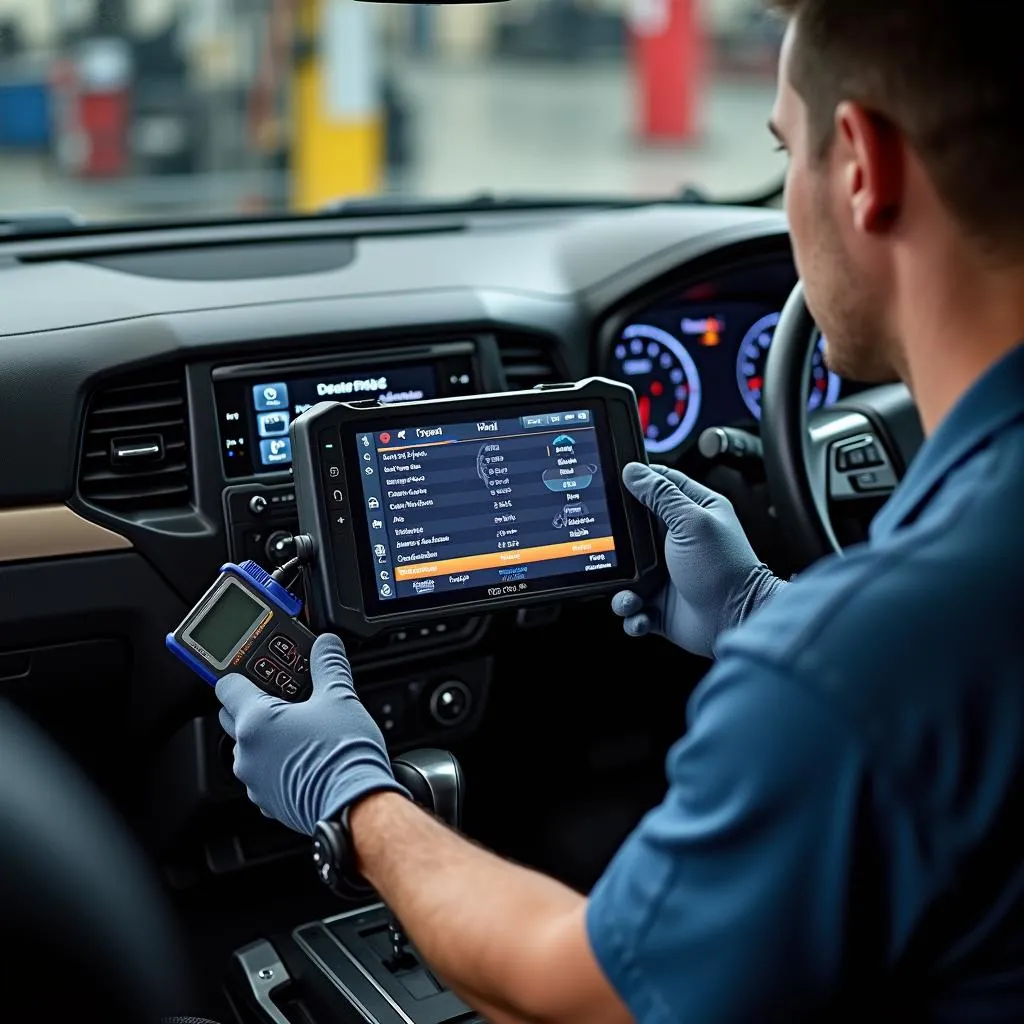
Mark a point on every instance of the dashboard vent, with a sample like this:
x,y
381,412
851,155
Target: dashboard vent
x,y
528,362
135,449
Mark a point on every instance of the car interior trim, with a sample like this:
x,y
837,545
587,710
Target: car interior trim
x,y
264,972
52,531
336,981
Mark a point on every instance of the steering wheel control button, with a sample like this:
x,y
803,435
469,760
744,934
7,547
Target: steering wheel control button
x,y
264,668
301,665
281,647
851,477
870,481
450,703
257,504
872,456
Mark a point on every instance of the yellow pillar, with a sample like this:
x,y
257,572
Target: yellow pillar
x,y
337,129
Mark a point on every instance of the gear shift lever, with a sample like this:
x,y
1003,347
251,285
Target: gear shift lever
x,y
364,952
434,778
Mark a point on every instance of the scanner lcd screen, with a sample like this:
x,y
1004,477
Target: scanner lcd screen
x,y
230,617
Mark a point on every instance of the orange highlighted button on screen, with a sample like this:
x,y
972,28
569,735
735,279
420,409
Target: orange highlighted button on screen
x,y
497,559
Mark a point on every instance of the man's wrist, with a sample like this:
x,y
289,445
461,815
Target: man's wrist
x,y
348,791
367,819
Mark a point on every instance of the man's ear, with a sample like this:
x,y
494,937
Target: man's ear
x,y
870,152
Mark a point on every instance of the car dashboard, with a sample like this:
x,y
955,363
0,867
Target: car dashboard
x,y
148,381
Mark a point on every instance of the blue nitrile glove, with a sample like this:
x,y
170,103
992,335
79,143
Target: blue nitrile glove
x,y
715,579
301,763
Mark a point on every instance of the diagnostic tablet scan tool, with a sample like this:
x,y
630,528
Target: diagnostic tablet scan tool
x,y
418,508
246,622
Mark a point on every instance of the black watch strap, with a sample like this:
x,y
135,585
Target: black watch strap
x,y
334,858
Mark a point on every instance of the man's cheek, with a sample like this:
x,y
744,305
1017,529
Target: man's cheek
x,y
794,207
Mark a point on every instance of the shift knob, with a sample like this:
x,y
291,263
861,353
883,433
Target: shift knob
x,y
435,780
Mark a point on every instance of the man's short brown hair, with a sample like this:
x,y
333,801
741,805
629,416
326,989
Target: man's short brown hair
x,y
949,74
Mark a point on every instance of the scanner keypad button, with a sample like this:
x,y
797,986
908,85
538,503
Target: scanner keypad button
x,y
263,668
283,649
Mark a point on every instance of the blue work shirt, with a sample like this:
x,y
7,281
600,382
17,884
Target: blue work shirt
x,y
843,834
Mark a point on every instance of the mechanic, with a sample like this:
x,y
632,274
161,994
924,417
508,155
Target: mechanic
x,y
841,830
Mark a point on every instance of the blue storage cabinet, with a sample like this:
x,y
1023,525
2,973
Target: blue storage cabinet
x,y
24,111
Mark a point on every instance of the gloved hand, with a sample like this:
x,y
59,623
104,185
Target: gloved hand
x,y
715,579
301,763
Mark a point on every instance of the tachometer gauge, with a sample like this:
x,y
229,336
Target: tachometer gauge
x,y
663,375
750,364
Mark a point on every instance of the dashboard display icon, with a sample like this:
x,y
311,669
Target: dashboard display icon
x,y
272,424
275,450
267,397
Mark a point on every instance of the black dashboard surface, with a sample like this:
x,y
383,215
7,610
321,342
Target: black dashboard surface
x,y
76,310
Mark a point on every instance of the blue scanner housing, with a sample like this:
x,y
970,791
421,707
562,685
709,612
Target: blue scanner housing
x,y
255,577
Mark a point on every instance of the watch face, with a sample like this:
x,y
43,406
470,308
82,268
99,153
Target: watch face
x,y
322,859
334,860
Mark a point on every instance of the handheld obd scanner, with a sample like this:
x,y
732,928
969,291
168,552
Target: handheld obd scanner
x,y
247,622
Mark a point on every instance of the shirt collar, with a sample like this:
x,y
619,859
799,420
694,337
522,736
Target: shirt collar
x,y
993,402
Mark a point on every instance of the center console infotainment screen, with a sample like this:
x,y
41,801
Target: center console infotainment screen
x,y
256,409
274,403
487,506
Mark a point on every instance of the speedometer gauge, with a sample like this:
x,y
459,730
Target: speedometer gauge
x,y
750,363
663,375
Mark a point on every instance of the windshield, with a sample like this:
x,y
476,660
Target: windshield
x,y
147,109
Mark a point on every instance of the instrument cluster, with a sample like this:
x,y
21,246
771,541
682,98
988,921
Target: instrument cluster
x,y
696,357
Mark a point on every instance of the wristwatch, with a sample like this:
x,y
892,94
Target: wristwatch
x,y
334,858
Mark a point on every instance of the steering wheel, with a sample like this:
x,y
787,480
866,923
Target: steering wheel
x,y
845,458
84,932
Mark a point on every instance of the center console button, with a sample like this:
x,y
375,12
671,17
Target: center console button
x,y
450,703
280,547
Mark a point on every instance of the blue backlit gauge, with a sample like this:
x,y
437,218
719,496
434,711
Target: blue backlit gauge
x,y
750,363
663,375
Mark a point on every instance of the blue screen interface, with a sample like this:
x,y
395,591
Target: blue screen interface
x,y
500,506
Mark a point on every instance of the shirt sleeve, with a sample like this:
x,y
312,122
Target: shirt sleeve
x,y
732,900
